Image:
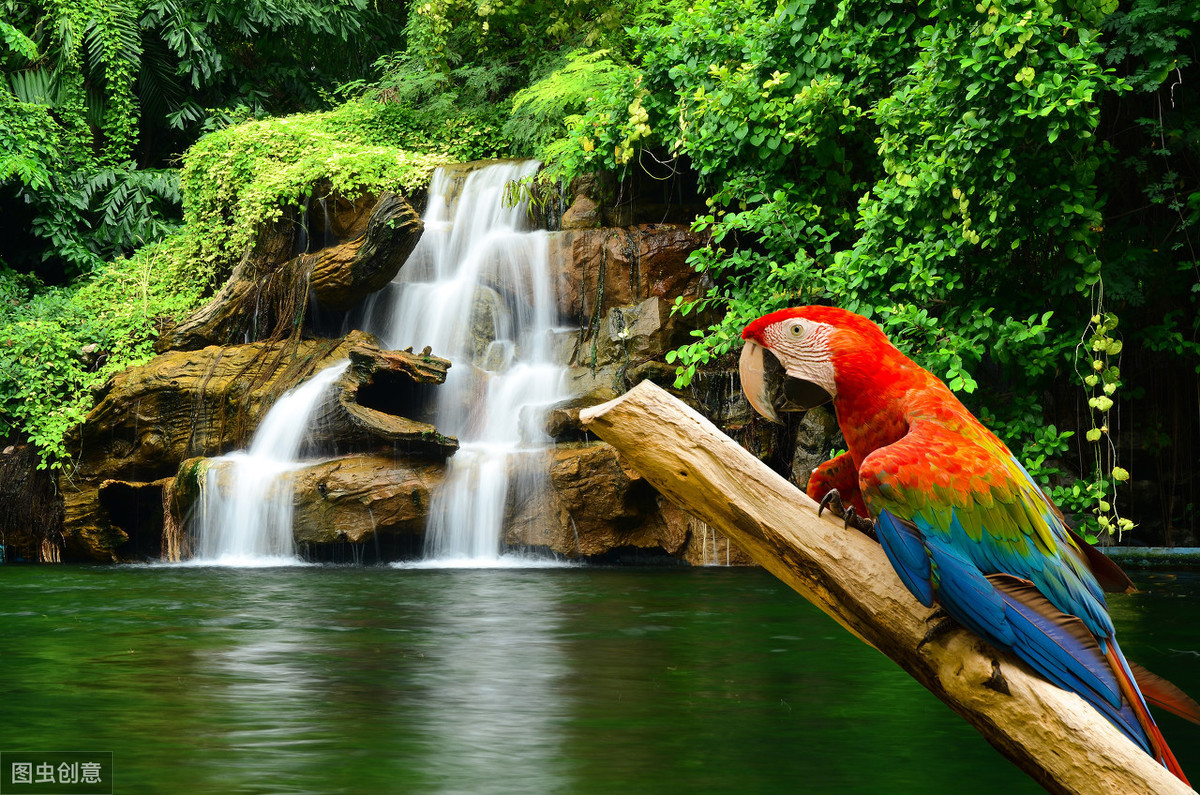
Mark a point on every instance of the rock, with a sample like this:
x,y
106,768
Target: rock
x,y
635,334
627,347
359,498
584,213
597,507
487,317
256,283
704,545
660,373
594,505
817,434
366,498
134,509
343,218
373,404
188,404
598,269
31,519
562,419
600,186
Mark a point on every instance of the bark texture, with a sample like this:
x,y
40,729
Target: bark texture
x,y
1053,735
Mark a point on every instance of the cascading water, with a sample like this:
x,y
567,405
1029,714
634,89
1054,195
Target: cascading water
x,y
477,289
246,506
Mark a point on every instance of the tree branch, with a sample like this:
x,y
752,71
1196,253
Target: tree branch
x,y
1051,734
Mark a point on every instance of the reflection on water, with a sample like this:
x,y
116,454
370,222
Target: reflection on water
x,y
331,680
492,705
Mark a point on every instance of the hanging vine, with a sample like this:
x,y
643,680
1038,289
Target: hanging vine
x,y
1101,349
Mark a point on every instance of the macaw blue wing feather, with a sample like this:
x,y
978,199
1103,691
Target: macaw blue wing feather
x,y
906,550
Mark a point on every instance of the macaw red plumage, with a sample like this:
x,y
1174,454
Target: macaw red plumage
x,y
962,522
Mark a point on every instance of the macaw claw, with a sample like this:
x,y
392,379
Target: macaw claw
x,y
848,514
831,497
941,622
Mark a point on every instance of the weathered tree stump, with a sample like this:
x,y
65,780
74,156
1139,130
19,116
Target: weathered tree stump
x,y
1053,735
343,275
267,293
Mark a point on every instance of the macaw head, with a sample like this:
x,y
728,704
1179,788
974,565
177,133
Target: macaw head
x,y
806,344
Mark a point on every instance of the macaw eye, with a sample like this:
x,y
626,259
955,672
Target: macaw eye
x,y
798,330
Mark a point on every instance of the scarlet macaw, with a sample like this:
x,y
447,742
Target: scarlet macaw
x,y
962,522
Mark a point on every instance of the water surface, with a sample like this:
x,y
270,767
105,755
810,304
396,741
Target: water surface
x,y
364,680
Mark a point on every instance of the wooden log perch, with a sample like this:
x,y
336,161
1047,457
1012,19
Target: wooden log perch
x,y
1051,734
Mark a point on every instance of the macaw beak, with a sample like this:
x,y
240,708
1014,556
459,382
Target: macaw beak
x,y
770,389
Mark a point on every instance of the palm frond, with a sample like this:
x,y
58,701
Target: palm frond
x,y
35,86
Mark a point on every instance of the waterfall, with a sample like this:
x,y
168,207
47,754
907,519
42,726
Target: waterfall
x,y
477,289
246,501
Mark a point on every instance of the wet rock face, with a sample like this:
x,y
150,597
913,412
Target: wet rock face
x,y
362,498
818,430
31,519
597,506
597,269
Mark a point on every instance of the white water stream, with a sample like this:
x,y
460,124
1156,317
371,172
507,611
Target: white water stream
x,y
478,291
246,497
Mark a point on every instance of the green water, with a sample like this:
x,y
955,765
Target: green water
x,y
376,680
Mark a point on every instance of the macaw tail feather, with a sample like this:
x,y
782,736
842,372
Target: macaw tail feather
x,y
1165,695
1130,690
1011,613
1065,651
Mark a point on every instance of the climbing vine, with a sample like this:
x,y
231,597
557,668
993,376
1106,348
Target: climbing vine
x,y
1099,353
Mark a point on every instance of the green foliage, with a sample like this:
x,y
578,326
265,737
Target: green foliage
x,y
903,169
58,343
91,217
241,177
937,167
444,34
540,111
498,78
17,42
128,84
29,150
459,112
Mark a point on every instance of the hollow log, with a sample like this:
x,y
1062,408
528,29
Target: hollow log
x,y
1051,734
383,400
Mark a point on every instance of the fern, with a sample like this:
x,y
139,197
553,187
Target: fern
x,y
34,86
540,111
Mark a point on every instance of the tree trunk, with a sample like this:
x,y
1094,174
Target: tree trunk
x,y
1051,734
